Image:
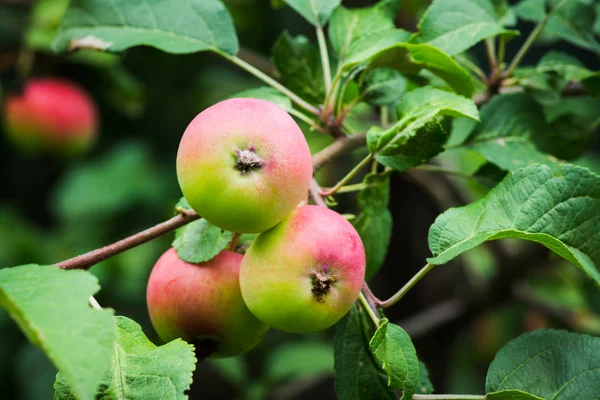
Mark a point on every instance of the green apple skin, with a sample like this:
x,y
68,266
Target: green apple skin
x,y
304,274
202,301
256,198
51,116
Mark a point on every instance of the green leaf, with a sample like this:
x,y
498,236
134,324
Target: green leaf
x,y
267,93
414,149
419,107
365,48
182,204
174,26
309,359
298,62
513,134
571,69
511,395
200,241
394,349
374,224
350,25
410,58
317,12
548,364
572,20
51,307
560,212
424,385
140,369
383,86
357,374
457,25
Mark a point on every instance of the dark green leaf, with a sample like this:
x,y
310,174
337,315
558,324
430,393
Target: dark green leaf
x,y
51,307
317,12
570,20
374,224
457,25
350,25
140,369
419,107
560,212
513,134
200,241
392,346
267,93
357,374
549,364
174,26
415,149
299,64
424,386
511,395
383,86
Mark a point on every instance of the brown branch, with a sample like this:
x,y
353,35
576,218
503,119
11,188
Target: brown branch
x,y
337,148
87,260
315,194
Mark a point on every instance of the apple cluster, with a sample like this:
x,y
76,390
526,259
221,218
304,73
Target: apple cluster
x,y
245,166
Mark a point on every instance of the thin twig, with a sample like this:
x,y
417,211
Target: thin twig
x,y
340,146
405,289
92,258
315,194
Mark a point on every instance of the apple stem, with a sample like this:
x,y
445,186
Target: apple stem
x,y
234,241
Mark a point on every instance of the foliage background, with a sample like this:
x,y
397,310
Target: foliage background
x,y
52,209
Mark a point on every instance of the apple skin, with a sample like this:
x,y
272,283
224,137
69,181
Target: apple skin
x,y
53,116
304,274
234,199
202,301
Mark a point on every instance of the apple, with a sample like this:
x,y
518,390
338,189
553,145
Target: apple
x,y
244,165
304,274
51,115
202,304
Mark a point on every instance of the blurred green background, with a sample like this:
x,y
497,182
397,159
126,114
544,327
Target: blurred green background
x,y
53,209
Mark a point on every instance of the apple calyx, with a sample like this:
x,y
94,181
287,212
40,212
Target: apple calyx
x,y
321,284
247,160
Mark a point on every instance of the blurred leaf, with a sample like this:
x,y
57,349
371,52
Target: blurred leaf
x,y
410,58
125,177
548,363
19,241
298,62
267,93
200,241
299,360
357,374
392,346
374,224
174,26
350,25
419,107
140,369
233,369
383,86
457,25
58,318
570,20
560,212
317,12
424,385
32,362
44,20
